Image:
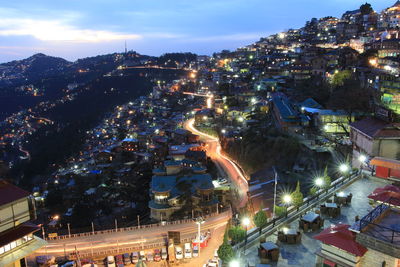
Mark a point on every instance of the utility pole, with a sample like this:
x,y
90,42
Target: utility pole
x,y
275,184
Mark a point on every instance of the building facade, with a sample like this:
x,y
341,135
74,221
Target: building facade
x,y
16,231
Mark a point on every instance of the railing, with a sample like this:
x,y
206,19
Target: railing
x,y
294,212
133,228
94,254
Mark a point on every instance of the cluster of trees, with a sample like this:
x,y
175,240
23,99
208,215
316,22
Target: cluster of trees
x,y
258,149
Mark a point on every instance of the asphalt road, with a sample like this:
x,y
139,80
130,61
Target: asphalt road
x,y
232,170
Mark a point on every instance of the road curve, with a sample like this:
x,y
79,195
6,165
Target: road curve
x,y
229,167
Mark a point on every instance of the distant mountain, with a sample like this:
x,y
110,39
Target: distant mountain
x,y
36,67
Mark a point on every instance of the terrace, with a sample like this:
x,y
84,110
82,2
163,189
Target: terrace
x,y
304,253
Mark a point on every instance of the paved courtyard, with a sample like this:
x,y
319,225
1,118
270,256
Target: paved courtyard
x,y
303,254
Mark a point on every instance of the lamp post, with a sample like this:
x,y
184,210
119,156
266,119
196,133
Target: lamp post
x,y
69,230
344,168
362,159
199,222
246,223
275,184
319,183
287,200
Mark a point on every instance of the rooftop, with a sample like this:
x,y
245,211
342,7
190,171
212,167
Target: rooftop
x,y
376,128
10,193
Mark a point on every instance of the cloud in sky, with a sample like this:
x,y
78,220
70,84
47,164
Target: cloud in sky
x,y
76,28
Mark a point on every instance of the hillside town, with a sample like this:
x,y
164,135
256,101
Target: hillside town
x,y
285,152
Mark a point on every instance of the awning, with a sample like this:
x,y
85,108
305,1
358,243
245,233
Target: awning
x,y
384,162
329,263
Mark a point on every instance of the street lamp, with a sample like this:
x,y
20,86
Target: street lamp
x,y
319,182
199,222
234,263
246,223
287,199
362,159
343,168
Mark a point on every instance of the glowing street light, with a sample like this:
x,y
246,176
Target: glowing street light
x,y
362,158
319,182
343,168
287,199
234,263
223,131
246,221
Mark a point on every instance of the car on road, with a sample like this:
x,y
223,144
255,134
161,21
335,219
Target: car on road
x,y
127,258
110,261
195,251
149,256
164,253
188,251
157,255
135,257
178,253
212,263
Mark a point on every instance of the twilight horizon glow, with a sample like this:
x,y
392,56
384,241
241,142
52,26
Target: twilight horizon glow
x,y
75,29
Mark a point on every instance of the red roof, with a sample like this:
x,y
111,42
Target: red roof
x,y
10,193
341,237
387,194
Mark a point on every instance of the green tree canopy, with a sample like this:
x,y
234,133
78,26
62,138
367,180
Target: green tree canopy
x,y
340,77
327,178
260,219
297,196
225,251
237,234
280,211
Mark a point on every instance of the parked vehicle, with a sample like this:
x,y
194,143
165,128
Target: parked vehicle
x,y
135,257
188,251
157,255
164,254
149,256
213,263
216,257
119,260
127,258
110,261
178,253
195,251
142,256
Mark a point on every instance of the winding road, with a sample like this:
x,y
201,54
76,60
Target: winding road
x,y
231,170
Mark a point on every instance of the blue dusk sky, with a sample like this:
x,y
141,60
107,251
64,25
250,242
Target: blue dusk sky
x,y
79,28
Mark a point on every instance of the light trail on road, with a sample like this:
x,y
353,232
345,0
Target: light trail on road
x,y
228,165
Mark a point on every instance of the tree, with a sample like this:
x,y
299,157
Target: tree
x,y
236,234
327,179
225,251
313,191
340,77
260,219
297,196
366,9
280,211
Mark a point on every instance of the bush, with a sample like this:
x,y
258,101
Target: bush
x,y
236,234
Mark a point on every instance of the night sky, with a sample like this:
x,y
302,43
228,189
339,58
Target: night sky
x,y
79,28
